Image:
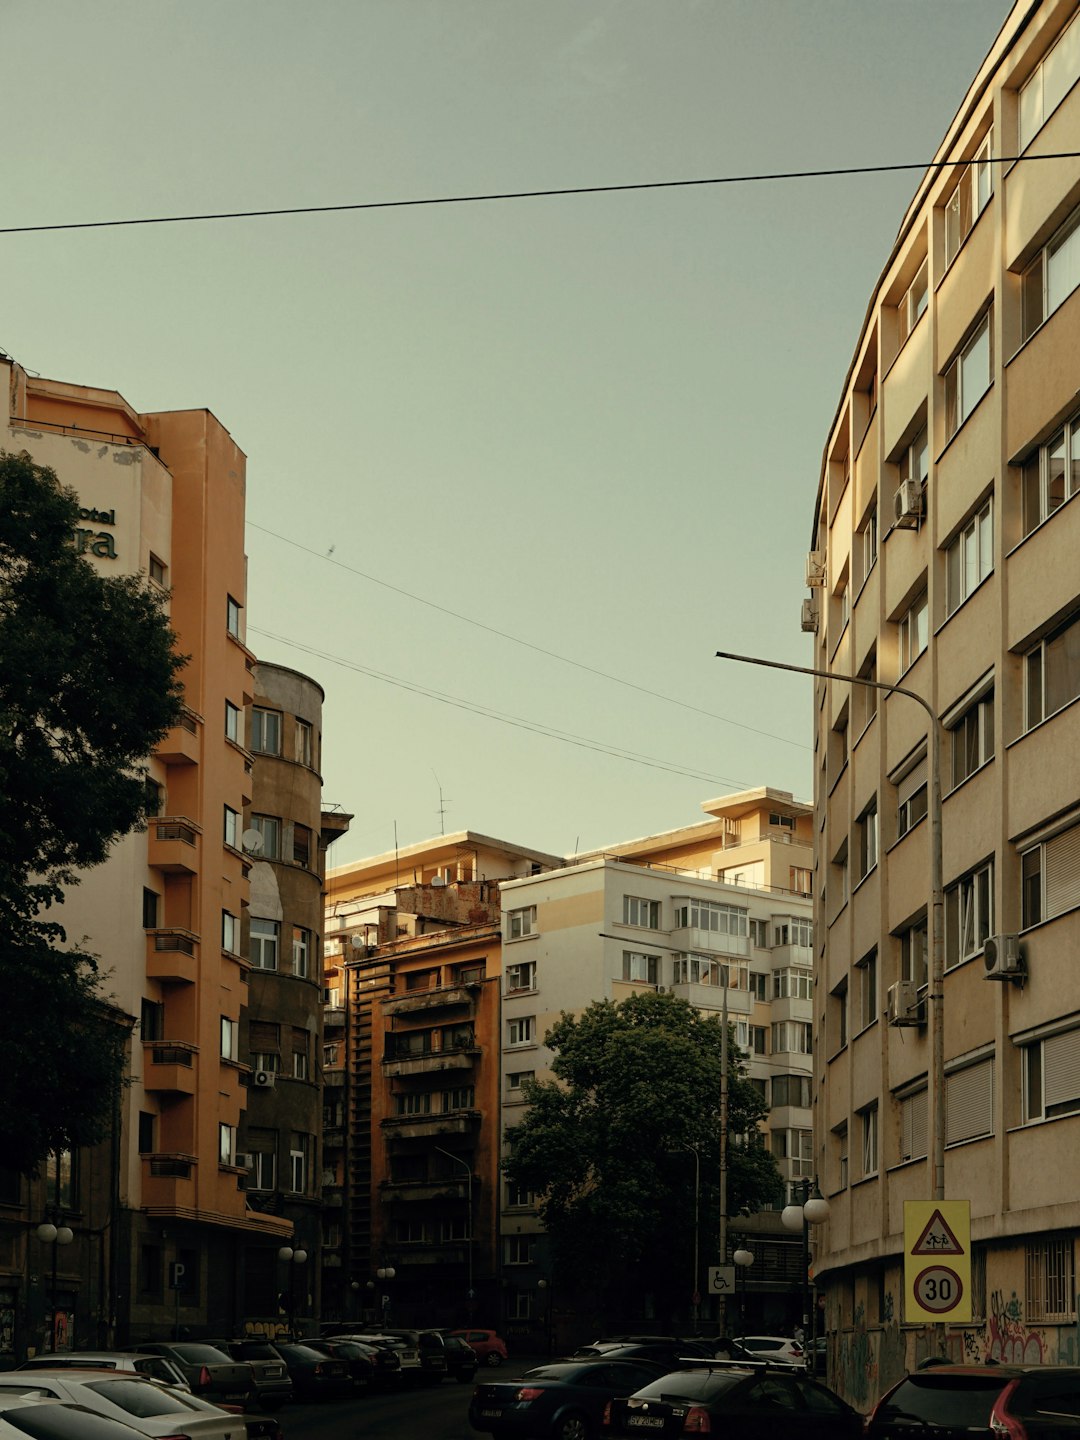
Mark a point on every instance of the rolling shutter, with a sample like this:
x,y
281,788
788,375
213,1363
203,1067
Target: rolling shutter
x,y
969,1102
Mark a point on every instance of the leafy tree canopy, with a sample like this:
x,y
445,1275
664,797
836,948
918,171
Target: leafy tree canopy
x,y
608,1145
88,685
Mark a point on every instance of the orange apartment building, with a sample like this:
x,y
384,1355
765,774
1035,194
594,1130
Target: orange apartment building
x,y
161,1227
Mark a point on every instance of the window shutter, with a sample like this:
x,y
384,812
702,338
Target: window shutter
x,y
1061,1068
913,1126
969,1102
263,1036
1062,866
912,781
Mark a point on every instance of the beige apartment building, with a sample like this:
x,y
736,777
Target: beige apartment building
x,y
944,558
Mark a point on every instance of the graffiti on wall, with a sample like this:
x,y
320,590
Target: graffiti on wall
x,y
1008,1338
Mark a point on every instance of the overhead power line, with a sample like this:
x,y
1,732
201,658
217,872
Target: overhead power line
x,y
485,198
527,644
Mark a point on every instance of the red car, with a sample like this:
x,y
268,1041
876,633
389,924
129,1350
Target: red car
x,y
490,1348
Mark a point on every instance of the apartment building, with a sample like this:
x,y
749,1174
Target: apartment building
x,y
158,1218
943,559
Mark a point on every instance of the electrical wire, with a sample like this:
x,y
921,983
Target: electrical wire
x,y
550,732
771,175
527,644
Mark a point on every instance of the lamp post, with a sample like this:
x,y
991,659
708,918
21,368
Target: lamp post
x,y
460,1160
355,1287
385,1273
54,1235
811,1210
742,1259
291,1257
547,1294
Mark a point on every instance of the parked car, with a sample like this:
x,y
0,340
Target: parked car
x,y
210,1372
385,1356
977,1401
358,1359
25,1419
737,1402
272,1384
156,1366
489,1348
775,1347
564,1400
672,1354
315,1376
462,1361
146,1405
423,1355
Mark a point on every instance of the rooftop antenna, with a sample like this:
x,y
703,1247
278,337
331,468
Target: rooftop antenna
x,y
442,806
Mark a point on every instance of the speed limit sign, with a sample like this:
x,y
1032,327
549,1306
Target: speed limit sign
x,y
938,1289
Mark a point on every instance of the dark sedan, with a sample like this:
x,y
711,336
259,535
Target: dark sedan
x,y
462,1361
357,1357
561,1401
737,1402
315,1376
209,1371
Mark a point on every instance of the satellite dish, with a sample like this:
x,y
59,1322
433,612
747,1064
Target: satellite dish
x,y
252,841
358,942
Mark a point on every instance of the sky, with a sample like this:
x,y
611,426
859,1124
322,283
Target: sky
x,y
517,466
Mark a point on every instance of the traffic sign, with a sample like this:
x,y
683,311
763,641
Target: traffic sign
x,y
722,1280
937,1231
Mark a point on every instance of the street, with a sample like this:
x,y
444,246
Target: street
x,y
433,1413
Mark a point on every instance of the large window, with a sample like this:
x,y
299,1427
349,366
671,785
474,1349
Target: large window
x,y
970,558
969,199
264,938
643,913
522,922
521,977
793,985
268,828
969,915
1051,475
1050,877
706,970
969,1102
792,1090
641,968
1053,673
797,1147
715,917
1051,81
1050,1292
973,738
913,305
1052,1076
522,1031
266,731
914,631
792,1037
1052,276
793,930
968,377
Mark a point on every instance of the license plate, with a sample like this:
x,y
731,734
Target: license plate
x,y
491,1414
237,1395
645,1422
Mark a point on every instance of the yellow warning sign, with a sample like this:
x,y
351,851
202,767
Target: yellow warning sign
x,y
937,1260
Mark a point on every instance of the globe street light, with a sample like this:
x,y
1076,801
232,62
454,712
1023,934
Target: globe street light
x,y
742,1259
812,1210
54,1235
291,1257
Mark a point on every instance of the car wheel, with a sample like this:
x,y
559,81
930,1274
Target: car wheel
x,y
493,1358
572,1427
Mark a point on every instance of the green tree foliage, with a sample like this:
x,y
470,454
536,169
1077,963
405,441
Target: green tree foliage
x,y
609,1146
88,685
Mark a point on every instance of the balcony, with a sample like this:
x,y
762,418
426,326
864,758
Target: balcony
x,y
431,1062
172,956
168,1181
333,1079
181,744
447,998
425,1127
333,1017
711,997
709,942
174,845
169,1067
783,957
396,1192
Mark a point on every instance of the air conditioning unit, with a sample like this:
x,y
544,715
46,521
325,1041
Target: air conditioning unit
x,y
1002,958
263,1080
904,1006
809,617
908,505
815,569
245,1161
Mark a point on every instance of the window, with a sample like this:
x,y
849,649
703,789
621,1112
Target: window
x,y
793,930
300,1054
265,731
782,822
970,558
1051,1279
519,1249
461,1098
1050,83
232,827
62,1179
800,880
230,932
913,1125
868,990
840,874
1053,673
299,1162
518,1196
759,934
152,1020
911,793
913,305
303,748
719,919
644,969
232,617
151,909
969,1102
869,1122
158,571
865,697
1051,475
706,970
969,199
914,459
793,985
643,913
521,977
969,915
913,954
516,1079
418,1103
1051,277
234,723
147,1126
759,986
264,936
1050,877
521,1032
914,632
301,951
522,922
867,836
968,377
268,1060
840,1151
226,1144
973,739
268,828
1052,1076
792,1090
756,1039
868,541
230,1043
791,1037
839,1015
841,606
301,846
458,1037
796,1146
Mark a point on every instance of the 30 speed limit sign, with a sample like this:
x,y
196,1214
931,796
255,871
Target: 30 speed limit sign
x,y
938,1289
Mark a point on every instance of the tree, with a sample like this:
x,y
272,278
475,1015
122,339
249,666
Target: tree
x,y
88,685
608,1147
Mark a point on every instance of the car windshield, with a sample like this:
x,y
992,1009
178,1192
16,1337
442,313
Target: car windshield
x,y
691,1385
64,1422
201,1354
257,1350
140,1397
431,1341
945,1398
301,1352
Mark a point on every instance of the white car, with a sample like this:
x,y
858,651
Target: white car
x,y
40,1419
775,1347
153,1409
156,1366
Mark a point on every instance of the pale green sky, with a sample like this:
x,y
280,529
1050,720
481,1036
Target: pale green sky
x,y
592,422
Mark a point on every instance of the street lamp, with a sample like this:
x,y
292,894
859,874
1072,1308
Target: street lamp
x,y
811,1210
460,1160
291,1257
385,1273
547,1294
742,1259
54,1235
